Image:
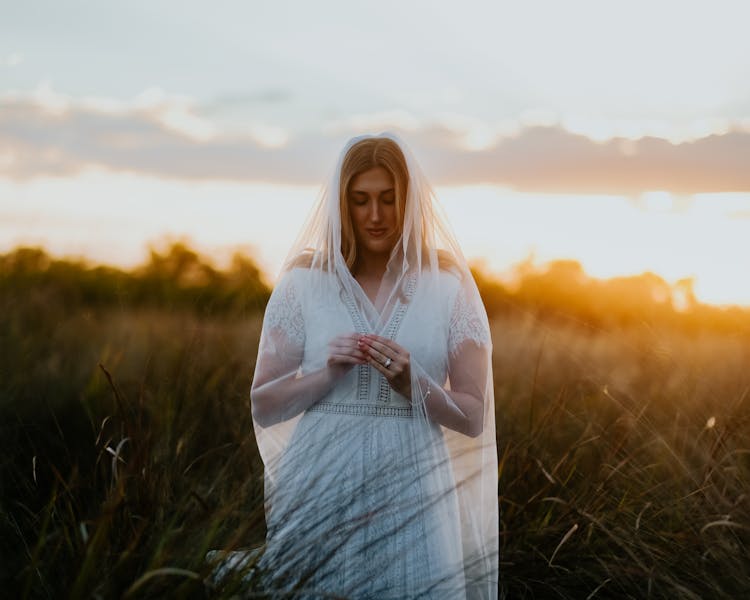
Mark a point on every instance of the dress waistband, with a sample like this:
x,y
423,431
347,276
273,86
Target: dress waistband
x,y
369,410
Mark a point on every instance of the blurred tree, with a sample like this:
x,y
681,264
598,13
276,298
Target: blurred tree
x,y
180,278
176,278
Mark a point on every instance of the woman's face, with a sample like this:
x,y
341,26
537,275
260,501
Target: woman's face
x,y
372,206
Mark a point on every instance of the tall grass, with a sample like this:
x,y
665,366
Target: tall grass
x,y
127,447
128,451
625,462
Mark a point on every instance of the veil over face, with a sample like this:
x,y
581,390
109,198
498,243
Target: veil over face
x,y
361,447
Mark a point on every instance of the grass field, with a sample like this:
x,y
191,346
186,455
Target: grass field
x,y
128,451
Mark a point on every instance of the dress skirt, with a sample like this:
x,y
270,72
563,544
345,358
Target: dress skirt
x,y
364,506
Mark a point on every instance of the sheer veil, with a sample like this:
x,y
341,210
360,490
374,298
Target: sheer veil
x,y
427,258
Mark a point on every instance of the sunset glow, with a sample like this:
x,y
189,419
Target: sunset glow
x,y
609,235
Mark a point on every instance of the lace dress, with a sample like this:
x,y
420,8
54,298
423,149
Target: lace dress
x,y
362,501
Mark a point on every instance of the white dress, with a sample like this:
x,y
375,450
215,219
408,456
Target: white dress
x,y
361,496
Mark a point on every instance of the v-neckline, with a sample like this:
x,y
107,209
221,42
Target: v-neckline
x,y
364,313
366,295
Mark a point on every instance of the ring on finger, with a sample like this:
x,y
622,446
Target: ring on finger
x,y
387,362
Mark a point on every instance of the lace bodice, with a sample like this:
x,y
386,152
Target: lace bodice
x,y
432,324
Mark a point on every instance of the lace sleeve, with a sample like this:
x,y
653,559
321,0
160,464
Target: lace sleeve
x,y
468,322
284,312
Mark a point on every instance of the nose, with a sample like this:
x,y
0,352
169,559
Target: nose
x,y
375,211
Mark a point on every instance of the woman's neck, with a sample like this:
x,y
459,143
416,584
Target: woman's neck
x,y
370,267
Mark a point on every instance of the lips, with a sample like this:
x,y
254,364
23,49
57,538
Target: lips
x,y
377,233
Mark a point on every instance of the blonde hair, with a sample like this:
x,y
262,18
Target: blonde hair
x,y
363,156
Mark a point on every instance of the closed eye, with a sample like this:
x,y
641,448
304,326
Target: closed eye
x,y
388,197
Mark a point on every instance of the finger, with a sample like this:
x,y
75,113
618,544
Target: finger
x,y
373,362
376,354
345,342
383,349
345,358
357,356
347,338
348,344
393,368
385,343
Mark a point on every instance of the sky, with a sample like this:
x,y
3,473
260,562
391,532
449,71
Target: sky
x,y
613,133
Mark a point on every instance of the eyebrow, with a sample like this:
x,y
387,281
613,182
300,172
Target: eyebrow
x,y
364,193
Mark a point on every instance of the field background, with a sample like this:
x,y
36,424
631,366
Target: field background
x,y
128,452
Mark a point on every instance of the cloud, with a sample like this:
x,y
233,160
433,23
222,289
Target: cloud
x,y
551,159
36,141
45,135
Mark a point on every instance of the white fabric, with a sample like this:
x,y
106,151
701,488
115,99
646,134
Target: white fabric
x,y
370,493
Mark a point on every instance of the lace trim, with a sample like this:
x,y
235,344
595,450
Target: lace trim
x,y
385,391
369,410
285,312
363,376
466,324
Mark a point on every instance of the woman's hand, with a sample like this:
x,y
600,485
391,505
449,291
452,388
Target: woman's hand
x,y
344,353
380,352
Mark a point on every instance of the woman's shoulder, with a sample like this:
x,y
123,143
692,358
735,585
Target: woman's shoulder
x,y
303,260
309,259
444,283
302,265
455,284
448,263
302,274
450,273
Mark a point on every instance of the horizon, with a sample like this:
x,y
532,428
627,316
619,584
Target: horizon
x,y
681,297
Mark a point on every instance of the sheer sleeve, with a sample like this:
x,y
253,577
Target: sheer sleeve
x,y
280,351
467,323
282,387
283,320
462,402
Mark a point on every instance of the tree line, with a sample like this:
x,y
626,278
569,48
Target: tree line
x,y
180,278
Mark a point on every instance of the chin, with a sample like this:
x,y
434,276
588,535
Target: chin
x,y
383,247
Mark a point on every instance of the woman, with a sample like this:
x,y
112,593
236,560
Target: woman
x,y
372,397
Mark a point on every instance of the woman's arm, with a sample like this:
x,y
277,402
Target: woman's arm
x,y
462,407
285,397
279,392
